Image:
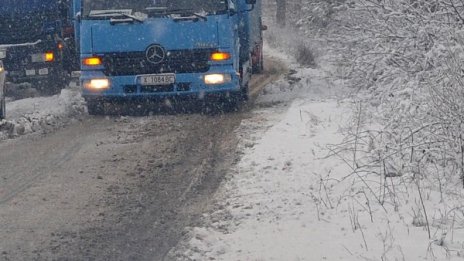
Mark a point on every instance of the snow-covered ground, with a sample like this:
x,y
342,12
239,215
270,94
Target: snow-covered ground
x,y
288,200
294,194
38,114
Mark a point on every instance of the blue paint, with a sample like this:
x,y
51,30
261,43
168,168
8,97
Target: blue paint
x,y
123,48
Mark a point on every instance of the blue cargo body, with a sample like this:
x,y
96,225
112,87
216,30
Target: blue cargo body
x,y
134,50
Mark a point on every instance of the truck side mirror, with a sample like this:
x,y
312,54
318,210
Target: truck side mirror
x,y
252,3
232,10
78,17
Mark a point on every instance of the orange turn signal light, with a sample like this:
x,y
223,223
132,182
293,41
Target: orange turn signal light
x,y
220,56
92,61
49,56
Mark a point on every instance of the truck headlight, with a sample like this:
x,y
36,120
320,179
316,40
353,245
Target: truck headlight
x,y
215,79
97,84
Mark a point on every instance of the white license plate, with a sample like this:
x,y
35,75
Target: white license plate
x,y
157,79
37,58
43,71
30,72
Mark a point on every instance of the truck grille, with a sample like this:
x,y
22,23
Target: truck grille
x,y
135,63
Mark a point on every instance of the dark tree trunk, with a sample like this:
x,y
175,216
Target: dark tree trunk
x,y
281,12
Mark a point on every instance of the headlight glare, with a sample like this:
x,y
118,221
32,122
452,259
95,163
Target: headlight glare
x,y
97,84
215,79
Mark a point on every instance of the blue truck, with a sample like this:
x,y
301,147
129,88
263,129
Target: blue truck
x,y
152,49
37,42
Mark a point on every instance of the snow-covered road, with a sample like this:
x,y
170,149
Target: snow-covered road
x,y
109,188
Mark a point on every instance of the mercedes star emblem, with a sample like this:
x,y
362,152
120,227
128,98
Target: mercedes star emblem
x,y
156,54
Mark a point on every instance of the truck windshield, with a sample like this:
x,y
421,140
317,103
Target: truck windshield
x,y
23,21
203,6
21,7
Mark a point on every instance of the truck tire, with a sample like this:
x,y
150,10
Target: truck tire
x,y
245,93
259,67
232,102
2,108
95,107
244,88
261,62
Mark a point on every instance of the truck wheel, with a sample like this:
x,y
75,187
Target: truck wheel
x,y
245,93
2,108
259,66
261,62
95,107
232,102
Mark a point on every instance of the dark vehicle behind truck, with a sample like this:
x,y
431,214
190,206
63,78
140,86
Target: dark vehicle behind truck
x,y
37,42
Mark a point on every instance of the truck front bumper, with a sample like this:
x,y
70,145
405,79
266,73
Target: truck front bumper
x,y
186,85
36,72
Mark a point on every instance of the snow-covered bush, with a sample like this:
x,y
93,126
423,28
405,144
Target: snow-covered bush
x,y
306,20
406,56
404,61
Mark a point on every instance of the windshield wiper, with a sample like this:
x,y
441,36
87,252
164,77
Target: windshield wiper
x,y
167,11
187,11
115,14
157,9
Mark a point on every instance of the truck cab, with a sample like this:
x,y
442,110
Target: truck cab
x,y
37,42
132,49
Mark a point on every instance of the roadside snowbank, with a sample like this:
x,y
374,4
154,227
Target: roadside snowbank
x,y
270,198
41,114
288,200
266,210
